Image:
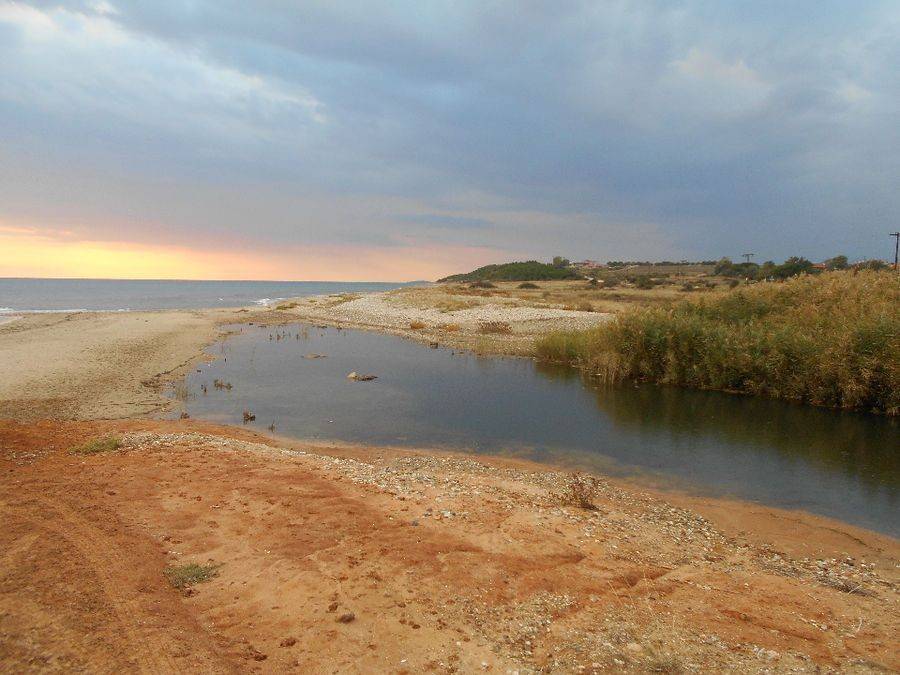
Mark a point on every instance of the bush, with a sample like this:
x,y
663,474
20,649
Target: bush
x,y
417,325
482,284
528,285
830,339
530,270
584,307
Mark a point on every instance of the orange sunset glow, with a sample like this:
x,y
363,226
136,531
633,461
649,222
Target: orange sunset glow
x,y
29,254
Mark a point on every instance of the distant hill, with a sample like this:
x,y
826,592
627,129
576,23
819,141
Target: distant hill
x,y
532,270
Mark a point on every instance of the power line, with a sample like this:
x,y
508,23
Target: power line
x,y
896,236
747,256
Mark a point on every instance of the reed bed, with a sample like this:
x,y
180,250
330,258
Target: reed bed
x,y
831,340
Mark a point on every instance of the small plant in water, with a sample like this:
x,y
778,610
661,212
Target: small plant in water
x,y
183,577
248,416
581,491
96,446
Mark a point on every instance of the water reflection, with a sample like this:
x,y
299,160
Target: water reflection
x,y
847,443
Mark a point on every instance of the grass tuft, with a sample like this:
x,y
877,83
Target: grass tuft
x,y
97,446
183,577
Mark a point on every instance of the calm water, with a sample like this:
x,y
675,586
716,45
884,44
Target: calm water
x,y
43,295
837,464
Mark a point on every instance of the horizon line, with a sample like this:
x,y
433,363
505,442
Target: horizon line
x,y
271,281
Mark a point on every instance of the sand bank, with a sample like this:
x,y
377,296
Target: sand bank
x,y
96,365
487,323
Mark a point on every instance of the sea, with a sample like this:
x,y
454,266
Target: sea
x,y
122,295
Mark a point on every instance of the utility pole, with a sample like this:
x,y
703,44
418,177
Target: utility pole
x,y
747,256
896,236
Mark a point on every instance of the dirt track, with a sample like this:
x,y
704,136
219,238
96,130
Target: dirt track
x,y
445,563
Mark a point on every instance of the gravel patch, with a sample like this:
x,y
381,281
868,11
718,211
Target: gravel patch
x,y
384,310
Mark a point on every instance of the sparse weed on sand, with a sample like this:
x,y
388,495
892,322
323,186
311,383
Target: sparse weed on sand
x,y
97,446
417,325
183,577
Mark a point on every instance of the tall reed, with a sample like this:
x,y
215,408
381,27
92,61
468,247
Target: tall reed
x,y
831,339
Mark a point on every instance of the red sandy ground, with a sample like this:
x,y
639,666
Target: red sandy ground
x,y
512,586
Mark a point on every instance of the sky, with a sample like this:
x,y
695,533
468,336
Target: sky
x,y
404,140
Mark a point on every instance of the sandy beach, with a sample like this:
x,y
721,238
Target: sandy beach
x,y
375,559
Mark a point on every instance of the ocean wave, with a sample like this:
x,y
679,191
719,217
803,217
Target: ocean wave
x,y
54,311
265,302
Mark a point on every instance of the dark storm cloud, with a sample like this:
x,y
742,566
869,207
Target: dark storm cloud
x,y
610,129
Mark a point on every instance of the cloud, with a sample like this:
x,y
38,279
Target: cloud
x,y
611,129
443,221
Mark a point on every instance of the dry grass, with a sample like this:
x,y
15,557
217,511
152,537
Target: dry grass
x,y
287,305
181,391
449,327
494,328
581,491
561,294
417,325
339,299
831,339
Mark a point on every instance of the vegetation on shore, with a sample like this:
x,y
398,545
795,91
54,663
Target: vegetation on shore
x,y
531,270
831,339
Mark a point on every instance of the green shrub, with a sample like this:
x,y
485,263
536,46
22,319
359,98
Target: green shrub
x,y
530,270
831,339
